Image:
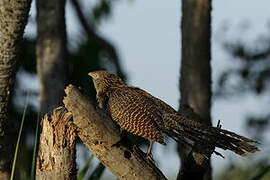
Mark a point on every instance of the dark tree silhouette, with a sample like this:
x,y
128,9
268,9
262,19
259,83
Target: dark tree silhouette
x,y
52,64
195,78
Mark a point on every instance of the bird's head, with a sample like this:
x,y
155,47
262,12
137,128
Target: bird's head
x,y
104,80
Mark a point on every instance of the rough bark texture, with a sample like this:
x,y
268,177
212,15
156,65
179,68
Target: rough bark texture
x,y
56,158
13,18
195,81
101,137
51,53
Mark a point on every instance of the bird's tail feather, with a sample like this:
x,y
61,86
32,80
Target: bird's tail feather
x,y
206,137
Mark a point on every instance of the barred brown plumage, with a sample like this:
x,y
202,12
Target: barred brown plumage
x,y
144,115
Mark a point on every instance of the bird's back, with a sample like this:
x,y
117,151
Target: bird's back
x,y
135,113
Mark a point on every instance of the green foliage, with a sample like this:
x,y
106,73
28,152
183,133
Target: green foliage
x,y
89,57
258,171
250,75
33,168
258,125
18,141
83,172
102,10
98,171
253,73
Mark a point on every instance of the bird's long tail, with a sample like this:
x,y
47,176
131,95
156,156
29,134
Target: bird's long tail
x,y
205,136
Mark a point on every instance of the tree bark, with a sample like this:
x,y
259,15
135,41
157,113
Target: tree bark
x,y
56,158
195,80
52,62
101,137
13,18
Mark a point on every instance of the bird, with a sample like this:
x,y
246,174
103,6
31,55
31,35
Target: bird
x,y
140,113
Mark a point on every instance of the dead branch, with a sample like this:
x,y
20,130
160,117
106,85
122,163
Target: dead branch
x,y
100,134
56,157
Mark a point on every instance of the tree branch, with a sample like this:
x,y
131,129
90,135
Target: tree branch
x,y
56,158
95,37
101,137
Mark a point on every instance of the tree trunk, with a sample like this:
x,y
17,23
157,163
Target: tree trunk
x,y
100,135
195,80
56,158
52,62
13,18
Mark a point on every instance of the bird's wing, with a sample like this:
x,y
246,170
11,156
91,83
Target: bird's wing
x,y
161,104
135,113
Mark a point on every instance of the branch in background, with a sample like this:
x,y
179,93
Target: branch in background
x,y
100,135
95,37
13,18
98,171
56,158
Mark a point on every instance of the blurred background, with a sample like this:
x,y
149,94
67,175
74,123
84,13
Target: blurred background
x,y
141,41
